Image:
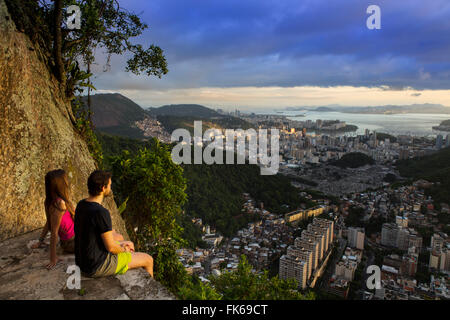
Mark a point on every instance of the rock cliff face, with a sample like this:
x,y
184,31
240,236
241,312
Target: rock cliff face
x,y
36,136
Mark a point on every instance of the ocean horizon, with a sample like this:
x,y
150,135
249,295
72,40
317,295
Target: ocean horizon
x,y
414,124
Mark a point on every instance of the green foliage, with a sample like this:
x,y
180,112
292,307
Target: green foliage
x,y
84,127
114,145
215,194
197,290
104,24
172,123
123,206
215,191
354,218
390,177
304,181
353,160
191,233
435,168
155,188
382,136
242,284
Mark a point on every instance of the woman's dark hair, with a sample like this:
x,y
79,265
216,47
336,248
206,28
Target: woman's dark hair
x,y
97,180
57,186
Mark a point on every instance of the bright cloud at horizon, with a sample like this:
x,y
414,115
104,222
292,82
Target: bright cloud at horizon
x,y
264,53
250,98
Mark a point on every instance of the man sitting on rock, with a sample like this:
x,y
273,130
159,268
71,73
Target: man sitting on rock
x,y
98,249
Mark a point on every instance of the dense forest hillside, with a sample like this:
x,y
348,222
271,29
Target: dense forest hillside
x,y
184,110
172,123
215,191
353,160
115,114
435,168
183,116
114,109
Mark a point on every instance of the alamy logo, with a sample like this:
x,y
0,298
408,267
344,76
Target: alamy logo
x,y
257,147
374,280
374,20
74,280
74,21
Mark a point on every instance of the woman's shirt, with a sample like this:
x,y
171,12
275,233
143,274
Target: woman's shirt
x,y
66,228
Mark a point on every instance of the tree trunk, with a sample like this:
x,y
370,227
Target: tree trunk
x,y
89,99
57,46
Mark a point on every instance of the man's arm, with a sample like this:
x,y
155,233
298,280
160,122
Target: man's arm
x,y
110,244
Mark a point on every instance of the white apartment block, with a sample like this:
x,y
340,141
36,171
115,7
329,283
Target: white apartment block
x,y
310,245
304,255
293,268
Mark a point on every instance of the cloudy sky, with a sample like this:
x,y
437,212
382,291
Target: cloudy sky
x,y
256,54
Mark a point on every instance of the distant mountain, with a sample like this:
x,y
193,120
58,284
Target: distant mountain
x,y
183,116
387,109
324,109
391,109
116,114
114,109
184,110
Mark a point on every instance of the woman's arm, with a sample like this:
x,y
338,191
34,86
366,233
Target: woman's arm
x,y
42,237
55,221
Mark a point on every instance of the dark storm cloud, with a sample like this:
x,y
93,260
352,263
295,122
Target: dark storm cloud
x,y
294,43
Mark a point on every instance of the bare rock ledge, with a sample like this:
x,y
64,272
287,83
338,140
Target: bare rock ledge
x,y
23,276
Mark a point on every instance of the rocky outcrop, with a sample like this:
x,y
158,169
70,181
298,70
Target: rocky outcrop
x,y
24,276
36,135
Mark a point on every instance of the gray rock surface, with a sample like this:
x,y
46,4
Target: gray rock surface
x,y
23,276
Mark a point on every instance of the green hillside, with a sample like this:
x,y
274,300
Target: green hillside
x,y
115,114
183,116
435,168
353,160
184,110
114,109
215,191
171,123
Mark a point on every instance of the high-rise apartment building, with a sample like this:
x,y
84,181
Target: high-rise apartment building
x,y
293,268
311,245
304,255
356,238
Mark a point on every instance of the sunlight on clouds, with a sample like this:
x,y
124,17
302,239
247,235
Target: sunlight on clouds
x,y
272,97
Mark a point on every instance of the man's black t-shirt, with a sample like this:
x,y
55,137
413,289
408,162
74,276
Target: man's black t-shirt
x,y
91,220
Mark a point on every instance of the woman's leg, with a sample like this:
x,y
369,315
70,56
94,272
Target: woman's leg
x,y
68,245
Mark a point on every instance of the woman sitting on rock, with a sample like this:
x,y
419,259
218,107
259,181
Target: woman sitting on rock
x,y
59,213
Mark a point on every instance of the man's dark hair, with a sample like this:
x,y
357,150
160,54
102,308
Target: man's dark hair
x,y
97,180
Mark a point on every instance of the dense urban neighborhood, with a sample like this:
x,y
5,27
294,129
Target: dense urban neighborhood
x,y
364,214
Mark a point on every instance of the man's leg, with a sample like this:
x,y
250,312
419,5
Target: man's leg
x,y
140,259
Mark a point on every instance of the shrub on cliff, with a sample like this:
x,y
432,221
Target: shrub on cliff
x,y
154,188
